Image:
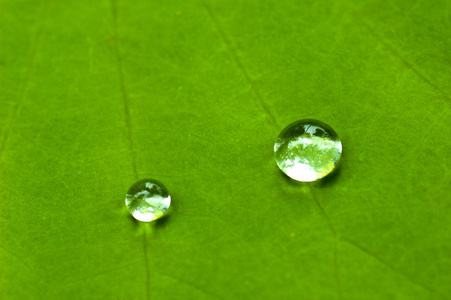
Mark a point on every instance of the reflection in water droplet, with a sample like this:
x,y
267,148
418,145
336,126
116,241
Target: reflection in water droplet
x,y
147,200
307,150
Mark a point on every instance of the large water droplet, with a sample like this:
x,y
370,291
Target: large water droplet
x,y
147,200
307,150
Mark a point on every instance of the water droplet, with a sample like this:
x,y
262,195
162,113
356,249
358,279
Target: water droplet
x,y
147,200
307,150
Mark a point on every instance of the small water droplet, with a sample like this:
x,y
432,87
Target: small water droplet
x,y
307,150
147,200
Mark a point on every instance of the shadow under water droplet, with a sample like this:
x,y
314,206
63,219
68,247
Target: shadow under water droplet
x,y
135,222
330,179
162,222
157,224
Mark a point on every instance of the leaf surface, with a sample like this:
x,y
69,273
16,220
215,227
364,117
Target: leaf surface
x,y
96,94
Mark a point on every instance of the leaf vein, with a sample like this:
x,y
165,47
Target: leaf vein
x,y
240,65
406,63
22,262
191,285
392,268
35,41
334,233
124,93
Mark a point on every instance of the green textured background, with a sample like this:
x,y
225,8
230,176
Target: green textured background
x,y
95,94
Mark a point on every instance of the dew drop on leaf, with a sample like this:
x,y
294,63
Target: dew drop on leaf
x,y
307,150
147,200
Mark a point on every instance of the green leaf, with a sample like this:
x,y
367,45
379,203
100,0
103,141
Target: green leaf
x,y
96,94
